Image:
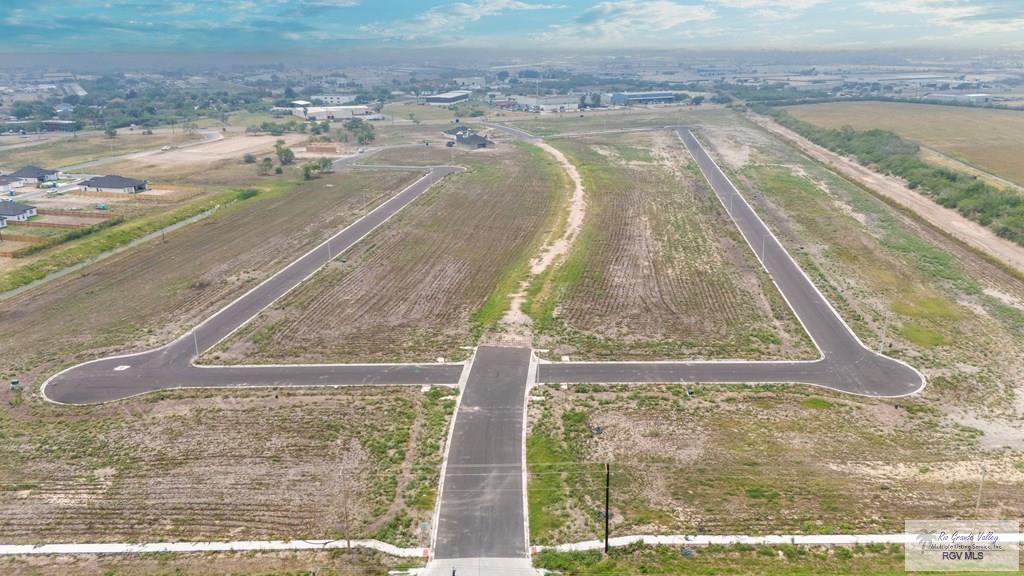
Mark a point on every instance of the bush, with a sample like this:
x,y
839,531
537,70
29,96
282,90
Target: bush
x,y
249,159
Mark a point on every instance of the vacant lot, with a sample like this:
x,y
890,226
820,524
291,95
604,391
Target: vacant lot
x,y
426,284
70,151
988,139
149,295
658,271
597,120
732,460
225,465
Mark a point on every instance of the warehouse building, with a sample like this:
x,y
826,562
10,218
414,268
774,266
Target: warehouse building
x,y
640,98
448,98
557,103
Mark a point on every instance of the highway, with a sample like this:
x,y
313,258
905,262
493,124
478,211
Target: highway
x,y
845,365
170,366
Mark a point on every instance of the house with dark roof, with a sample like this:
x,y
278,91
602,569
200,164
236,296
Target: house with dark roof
x,y
453,133
35,175
474,141
7,183
16,211
113,183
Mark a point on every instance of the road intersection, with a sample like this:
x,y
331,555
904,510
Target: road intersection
x,y
481,511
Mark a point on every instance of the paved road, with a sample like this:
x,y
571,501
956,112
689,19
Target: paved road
x,y
171,365
846,364
481,513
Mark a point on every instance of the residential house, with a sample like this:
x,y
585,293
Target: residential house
x,y
16,211
113,183
35,175
474,141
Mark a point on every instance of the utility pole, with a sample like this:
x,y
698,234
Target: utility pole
x,y
607,497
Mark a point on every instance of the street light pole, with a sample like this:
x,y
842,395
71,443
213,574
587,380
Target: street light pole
x,y
607,497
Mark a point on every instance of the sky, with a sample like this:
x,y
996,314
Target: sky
x,y
122,26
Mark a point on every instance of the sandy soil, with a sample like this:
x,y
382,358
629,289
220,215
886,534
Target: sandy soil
x,y
230,148
971,233
516,325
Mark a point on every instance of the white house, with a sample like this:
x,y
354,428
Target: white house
x,y
321,113
16,211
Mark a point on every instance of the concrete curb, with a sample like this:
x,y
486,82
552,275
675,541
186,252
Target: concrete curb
x,y
193,547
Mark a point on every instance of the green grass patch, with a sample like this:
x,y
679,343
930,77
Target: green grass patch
x,y
921,336
817,404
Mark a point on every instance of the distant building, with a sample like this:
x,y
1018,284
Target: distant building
x,y
335,99
8,183
959,98
474,141
114,183
471,83
3,222
60,126
557,103
448,98
35,175
16,211
326,113
639,98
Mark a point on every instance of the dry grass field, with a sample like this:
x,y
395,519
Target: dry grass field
x,y
70,151
797,459
426,284
659,271
550,124
225,465
150,294
986,138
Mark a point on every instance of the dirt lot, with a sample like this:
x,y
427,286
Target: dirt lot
x,y
989,139
233,147
92,146
658,271
257,464
426,284
733,460
149,295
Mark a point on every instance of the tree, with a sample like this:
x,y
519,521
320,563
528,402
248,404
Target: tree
x,y
266,166
110,132
307,171
697,100
503,75
595,99
249,159
284,154
583,101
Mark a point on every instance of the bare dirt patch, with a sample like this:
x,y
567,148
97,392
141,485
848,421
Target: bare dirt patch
x,y
230,148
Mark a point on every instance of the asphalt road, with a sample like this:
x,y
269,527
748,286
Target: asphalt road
x,y
846,364
481,513
170,366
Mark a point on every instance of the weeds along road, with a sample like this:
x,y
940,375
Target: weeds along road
x,y
846,364
171,366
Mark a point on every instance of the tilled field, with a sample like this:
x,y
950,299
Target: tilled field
x,y
212,465
424,285
659,271
150,294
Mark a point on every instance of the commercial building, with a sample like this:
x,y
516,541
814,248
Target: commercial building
x,y
557,103
112,183
959,98
640,98
448,98
322,113
335,99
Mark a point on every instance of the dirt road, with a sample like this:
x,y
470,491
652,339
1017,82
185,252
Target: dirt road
x,y
946,219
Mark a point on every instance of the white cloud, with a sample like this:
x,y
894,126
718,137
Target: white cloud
x,y
623,21
966,19
450,17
